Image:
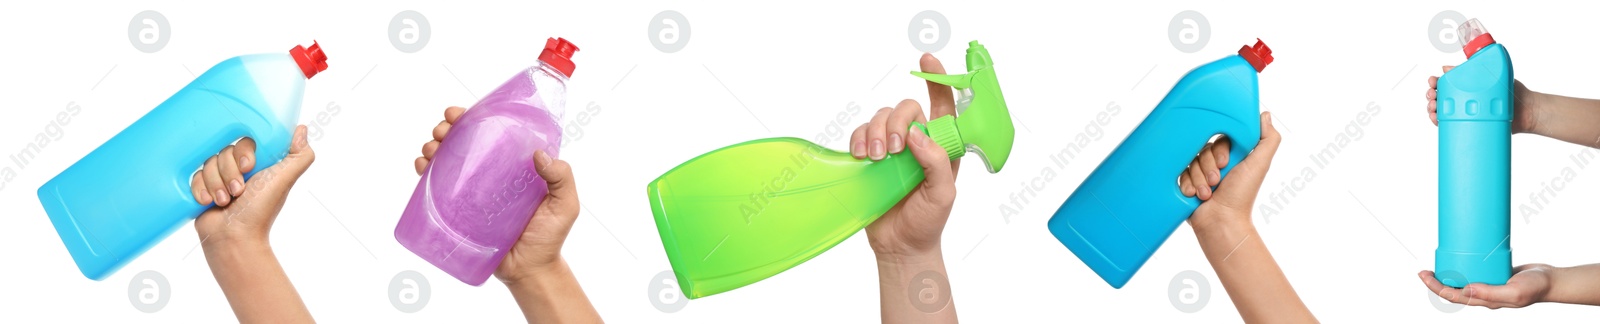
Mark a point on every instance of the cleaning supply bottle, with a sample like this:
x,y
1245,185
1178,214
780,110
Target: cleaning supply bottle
x,y
1475,111
1131,203
746,212
133,190
480,190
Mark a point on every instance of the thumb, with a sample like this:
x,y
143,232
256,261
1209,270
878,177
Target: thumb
x,y
1239,188
300,154
282,175
935,163
1499,294
1261,156
558,175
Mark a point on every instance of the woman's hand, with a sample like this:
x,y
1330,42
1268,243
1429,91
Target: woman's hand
x,y
539,279
914,225
234,233
246,209
1529,285
1524,111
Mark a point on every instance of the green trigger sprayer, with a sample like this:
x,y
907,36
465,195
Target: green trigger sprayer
x,y
746,212
987,129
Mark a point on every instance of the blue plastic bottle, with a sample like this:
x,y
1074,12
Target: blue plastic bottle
x,y
133,190
1475,108
1123,211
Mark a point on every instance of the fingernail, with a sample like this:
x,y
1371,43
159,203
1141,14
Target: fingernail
x,y
300,141
222,197
544,158
918,139
859,148
236,186
895,143
243,161
204,196
877,149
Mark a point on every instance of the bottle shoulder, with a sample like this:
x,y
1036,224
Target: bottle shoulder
x,y
1487,70
1229,85
270,83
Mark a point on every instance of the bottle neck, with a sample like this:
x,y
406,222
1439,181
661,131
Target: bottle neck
x,y
551,88
551,70
947,134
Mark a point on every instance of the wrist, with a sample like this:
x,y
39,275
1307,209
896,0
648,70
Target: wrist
x,y
231,238
914,288
1553,293
894,266
910,259
887,246
530,276
234,249
1216,221
907,255
1529,109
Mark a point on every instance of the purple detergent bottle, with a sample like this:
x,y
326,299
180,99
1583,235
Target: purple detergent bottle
x,y
481,188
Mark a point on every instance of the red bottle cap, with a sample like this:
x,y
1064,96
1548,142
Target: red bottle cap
x,y
1259,55
1477,43
311,59
1475,35
558,54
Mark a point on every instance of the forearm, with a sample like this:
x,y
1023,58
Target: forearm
x,y
1575,285
254,282
914,288
551,294
1258,288
1573,120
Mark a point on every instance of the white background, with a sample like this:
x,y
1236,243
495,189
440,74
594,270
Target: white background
x,y
792,69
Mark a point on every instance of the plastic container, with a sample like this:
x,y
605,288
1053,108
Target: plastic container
x,y
133,190
1131,203
480,190
1475,105
746,212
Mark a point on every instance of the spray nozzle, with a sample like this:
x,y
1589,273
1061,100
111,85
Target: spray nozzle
x,y
984,126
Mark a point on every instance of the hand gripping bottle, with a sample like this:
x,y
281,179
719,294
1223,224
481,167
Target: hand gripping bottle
x,y
481,188
746,212
1123,211
1475,111
133,190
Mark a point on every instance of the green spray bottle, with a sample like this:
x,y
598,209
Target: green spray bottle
x,y
746,212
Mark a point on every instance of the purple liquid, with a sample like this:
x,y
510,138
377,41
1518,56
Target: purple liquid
x,y
477,196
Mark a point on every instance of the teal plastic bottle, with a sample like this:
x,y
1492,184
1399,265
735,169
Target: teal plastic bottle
x,y
1131,203
133,190
1475,105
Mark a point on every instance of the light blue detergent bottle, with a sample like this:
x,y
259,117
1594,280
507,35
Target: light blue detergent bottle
x,y
1123,211
1475,110
133,190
